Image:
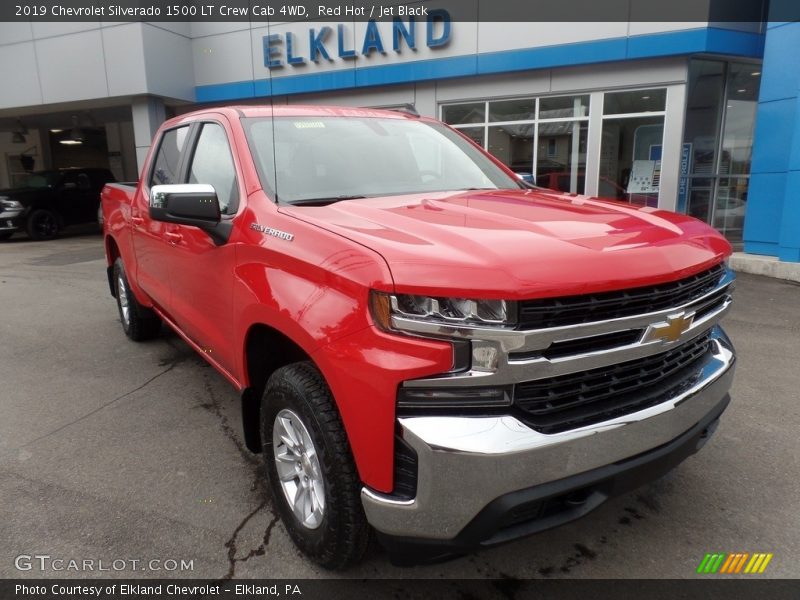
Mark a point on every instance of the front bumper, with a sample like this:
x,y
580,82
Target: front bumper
x,y
470,466
11,220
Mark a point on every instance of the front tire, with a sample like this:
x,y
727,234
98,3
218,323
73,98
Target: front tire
x,y
312,477
138,323
5,235
42,225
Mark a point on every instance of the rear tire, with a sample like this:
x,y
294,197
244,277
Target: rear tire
x,y
326,520
42,225
4,235
138,323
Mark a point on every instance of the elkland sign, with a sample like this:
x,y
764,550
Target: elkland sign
x,y
323,43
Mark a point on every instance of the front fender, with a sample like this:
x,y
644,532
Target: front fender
x,y
316,293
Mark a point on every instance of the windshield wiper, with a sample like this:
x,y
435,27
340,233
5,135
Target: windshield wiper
x,y
323,201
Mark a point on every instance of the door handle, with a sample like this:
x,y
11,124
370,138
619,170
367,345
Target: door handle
x,y
137,220
173,238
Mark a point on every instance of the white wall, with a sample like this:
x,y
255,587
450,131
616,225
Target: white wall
x,y
63,62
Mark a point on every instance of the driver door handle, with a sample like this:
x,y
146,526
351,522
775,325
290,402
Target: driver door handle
x,y
173,238
137,220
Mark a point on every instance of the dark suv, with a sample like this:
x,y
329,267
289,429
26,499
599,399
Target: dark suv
x,y
48,201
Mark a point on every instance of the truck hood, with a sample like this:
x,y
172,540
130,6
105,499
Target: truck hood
x,y
25,195
520,244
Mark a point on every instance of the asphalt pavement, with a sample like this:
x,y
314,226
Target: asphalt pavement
x,y
111,450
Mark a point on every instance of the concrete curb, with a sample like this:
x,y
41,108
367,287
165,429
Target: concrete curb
x,y
768,266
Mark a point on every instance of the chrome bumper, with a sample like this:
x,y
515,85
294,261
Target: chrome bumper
x,y
466,462
7,218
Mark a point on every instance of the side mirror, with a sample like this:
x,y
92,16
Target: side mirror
x,y
190,204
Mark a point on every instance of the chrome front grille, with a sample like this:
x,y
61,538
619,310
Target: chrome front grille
x,y
556,404
572,310
608,365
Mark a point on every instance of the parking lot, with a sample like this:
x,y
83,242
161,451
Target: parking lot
x,y
114,450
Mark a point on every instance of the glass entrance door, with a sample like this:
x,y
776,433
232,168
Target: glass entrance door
x,y
718,143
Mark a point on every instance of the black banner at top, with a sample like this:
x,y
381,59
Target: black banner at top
x,y
715,11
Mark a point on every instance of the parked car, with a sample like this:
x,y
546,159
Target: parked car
x,y
425,346
48,201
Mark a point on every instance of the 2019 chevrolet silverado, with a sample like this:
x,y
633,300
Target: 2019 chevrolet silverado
x,y
48,201
426,347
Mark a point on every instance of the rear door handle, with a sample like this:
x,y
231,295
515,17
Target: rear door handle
x,y
173,238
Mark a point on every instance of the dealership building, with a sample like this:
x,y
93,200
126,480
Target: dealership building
x,y
698,117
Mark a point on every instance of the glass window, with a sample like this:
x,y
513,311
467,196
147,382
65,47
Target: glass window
x,y
212,163
74,180
744,82
561,156
474,133
701,190
165,167
557,159
703,106
564,107
512,110
458,114
100,178
513,145
729,207
639,101
630,159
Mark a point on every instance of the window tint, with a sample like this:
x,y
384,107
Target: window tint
x,y
100,178
74,180
213,164
83,182
70,179
165,170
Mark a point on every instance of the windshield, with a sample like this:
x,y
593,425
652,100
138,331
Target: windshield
x,y
39,179
335,158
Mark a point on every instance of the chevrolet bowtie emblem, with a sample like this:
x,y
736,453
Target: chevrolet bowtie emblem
x,y
669,331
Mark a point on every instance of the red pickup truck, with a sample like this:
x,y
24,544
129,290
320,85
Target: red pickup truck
x,y
426,347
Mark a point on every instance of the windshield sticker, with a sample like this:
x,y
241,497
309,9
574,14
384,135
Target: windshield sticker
x,y
309,125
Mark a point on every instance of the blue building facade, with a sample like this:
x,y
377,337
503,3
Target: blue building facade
x,y
772,221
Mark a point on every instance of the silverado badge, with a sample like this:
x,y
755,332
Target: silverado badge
x,y
273,232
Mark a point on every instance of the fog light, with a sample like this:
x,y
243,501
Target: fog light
x,y
484,358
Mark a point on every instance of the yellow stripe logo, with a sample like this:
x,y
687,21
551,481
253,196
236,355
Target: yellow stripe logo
x,y
735,563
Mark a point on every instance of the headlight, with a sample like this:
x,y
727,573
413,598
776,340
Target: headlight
x,y
10,204
449,311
